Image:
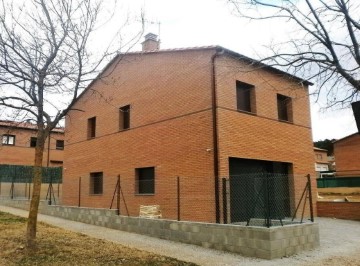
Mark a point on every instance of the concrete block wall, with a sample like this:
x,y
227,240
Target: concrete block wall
x,y
260,242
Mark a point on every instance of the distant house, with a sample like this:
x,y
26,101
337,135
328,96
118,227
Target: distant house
x,y
199,113
347,155
18,141
321,160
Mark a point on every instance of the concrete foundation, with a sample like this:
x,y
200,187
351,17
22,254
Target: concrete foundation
x,y
260,242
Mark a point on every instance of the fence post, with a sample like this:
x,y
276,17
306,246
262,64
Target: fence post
x,y
79,191
310,199
30,181
178,197
224,198
118,196
268,219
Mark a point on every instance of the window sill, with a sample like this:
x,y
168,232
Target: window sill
x,y
286,121
125,129
144,194
8,144
95,194
246,112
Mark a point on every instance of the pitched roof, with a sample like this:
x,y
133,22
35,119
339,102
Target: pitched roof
x,y
25,125
344,138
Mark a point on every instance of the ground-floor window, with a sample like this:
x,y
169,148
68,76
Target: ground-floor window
x,y
96,183
145,180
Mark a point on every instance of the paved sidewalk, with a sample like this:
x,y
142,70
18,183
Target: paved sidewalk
x,y
345,233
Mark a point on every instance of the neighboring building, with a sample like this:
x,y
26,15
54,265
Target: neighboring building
x,y
18,140
347,154
197,113
321,160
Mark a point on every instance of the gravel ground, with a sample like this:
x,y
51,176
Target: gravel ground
x,y
339,244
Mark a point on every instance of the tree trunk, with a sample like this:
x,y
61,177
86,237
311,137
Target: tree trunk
x,y
37,179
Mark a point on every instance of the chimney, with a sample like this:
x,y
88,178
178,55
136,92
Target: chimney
x,y
151,43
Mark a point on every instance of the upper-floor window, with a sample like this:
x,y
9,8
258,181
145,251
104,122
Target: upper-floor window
x,y
319,156
59,144
91,128
33,141
96,183
245,97
145,180
124,117
284,105
8,139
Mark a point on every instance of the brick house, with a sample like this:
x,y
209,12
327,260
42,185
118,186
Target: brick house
x,y
18,144
198,113
321,160
347,155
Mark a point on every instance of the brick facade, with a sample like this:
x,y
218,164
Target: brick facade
x,y
22,153
347,155
171,129
340,210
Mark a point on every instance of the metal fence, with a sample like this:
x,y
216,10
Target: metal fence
x,y
267,199
338,182
254,199
24,174
16,182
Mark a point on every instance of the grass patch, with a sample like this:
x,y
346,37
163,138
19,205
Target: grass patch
x,y
56,246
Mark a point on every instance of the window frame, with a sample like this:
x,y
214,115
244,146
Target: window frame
x,y
60,147
139,184
124,117
91,127
33,141
96,183
284,108
245,97
8,137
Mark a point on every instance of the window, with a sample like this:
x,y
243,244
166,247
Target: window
x,y
59,144
284,108
124,117
8,140
91,130
33,142
96,183
245,97
145,180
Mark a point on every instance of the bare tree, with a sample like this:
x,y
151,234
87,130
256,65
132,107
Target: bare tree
x,y
324,46
45,63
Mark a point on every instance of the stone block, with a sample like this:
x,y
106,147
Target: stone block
x,y
263,254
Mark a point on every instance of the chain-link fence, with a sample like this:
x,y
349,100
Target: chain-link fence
x,y
254,199
267,199
16,182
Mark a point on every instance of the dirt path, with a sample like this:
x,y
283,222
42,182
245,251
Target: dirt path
x,y
339,244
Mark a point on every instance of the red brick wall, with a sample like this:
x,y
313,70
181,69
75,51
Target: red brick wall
x,y
340,210
22,154
261,136
171,130
347,156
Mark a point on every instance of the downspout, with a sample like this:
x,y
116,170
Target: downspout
x,y
215,133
